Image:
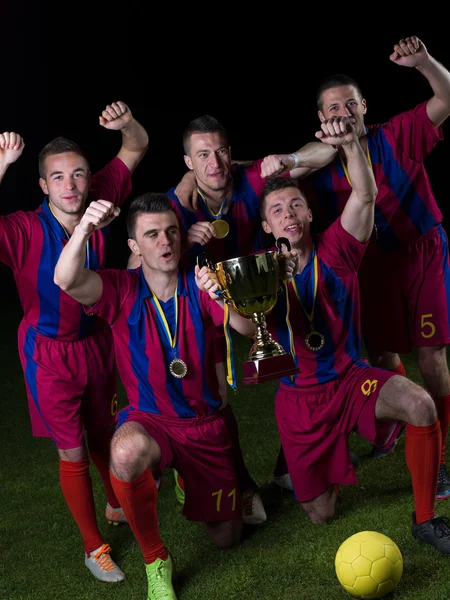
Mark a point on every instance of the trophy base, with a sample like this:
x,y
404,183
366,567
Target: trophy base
x,y
266,369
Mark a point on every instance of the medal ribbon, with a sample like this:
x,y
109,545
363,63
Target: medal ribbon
x,y
231,374
163,320
289,326
315,282
217,215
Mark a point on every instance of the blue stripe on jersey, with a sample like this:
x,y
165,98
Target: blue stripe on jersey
x,y
401,186
31,367
445,267
199,328
327,199
137,326
246,193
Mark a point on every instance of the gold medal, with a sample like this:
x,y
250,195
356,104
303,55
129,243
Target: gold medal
x,y
178,368
315,341
221,227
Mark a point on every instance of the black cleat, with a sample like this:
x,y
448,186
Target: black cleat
x,y
443,488
435,532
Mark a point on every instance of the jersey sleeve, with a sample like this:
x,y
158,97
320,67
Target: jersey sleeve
x,y
112,183
116,287
15,238
413,133
342,249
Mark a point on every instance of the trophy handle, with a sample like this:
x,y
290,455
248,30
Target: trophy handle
x,y
280,241
204,261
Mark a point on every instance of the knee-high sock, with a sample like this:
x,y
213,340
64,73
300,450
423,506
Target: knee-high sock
x,y
76,485
443,410
281,465
244,478
138,501
99,444
423,451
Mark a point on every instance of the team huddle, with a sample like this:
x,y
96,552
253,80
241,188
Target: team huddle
x,y
161,321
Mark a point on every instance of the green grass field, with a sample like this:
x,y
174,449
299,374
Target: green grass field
x,y
41,555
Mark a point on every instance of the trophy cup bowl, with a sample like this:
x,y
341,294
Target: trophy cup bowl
x,y
250,285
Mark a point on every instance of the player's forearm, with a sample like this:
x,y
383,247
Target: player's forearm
x,y
134,137
438,77
69,271
3,169
360,172
314,155
240,324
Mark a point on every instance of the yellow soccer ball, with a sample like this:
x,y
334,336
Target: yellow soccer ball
x,y
368,565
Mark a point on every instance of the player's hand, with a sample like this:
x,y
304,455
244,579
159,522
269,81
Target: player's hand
x,y
410,52
200,233
288,261
11,147
186,192
98,214
337,131
115,116
206,280
273,165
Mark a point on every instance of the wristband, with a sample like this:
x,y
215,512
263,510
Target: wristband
x,y
295,159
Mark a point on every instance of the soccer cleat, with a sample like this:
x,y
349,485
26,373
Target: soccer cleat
x,y
284,481
354,458
435,532
115,516
179,492
253,512
443,487
159,576
102,566
377,453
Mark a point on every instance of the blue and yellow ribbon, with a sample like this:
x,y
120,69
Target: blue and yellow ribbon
x,y
231,374
214,215
163,320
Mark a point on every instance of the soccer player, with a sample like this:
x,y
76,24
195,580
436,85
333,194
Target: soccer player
x,y
335,392
67,357
405,274
226,223
161,324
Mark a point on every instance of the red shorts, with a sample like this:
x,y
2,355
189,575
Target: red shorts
x,y
200,450
314,425
71,386
405,295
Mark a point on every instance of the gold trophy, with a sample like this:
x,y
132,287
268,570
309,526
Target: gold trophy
x,y
250,284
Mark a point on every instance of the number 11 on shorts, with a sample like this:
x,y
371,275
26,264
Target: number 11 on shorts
x,y
219,495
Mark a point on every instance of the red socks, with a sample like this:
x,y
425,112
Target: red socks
x,y
423,451
400,370
443,410
76,486
138,501
99,444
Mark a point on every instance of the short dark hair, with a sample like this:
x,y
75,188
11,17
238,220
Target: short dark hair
x,y
274,184
150,202
332,81
58,145
203,124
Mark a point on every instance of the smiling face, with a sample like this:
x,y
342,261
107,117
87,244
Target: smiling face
x,y
210,159
157,241
66,182
344,101
288,215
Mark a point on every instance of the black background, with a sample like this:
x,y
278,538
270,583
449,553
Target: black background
x,y
57,79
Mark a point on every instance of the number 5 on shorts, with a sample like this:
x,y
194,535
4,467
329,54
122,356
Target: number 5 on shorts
x,y
429,324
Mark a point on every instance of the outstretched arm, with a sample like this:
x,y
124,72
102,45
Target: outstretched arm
x,y
358,215
117,116
82,284
299,164
11,147
411,52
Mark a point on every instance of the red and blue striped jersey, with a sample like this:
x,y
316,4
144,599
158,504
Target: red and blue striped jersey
x,y
245,236
30,244
405,207
143,351
336,309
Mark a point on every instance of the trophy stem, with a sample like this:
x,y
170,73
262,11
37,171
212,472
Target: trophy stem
x,y
264,346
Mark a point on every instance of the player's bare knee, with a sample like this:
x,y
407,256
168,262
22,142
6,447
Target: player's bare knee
x,y
225,534
129,455
420,410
